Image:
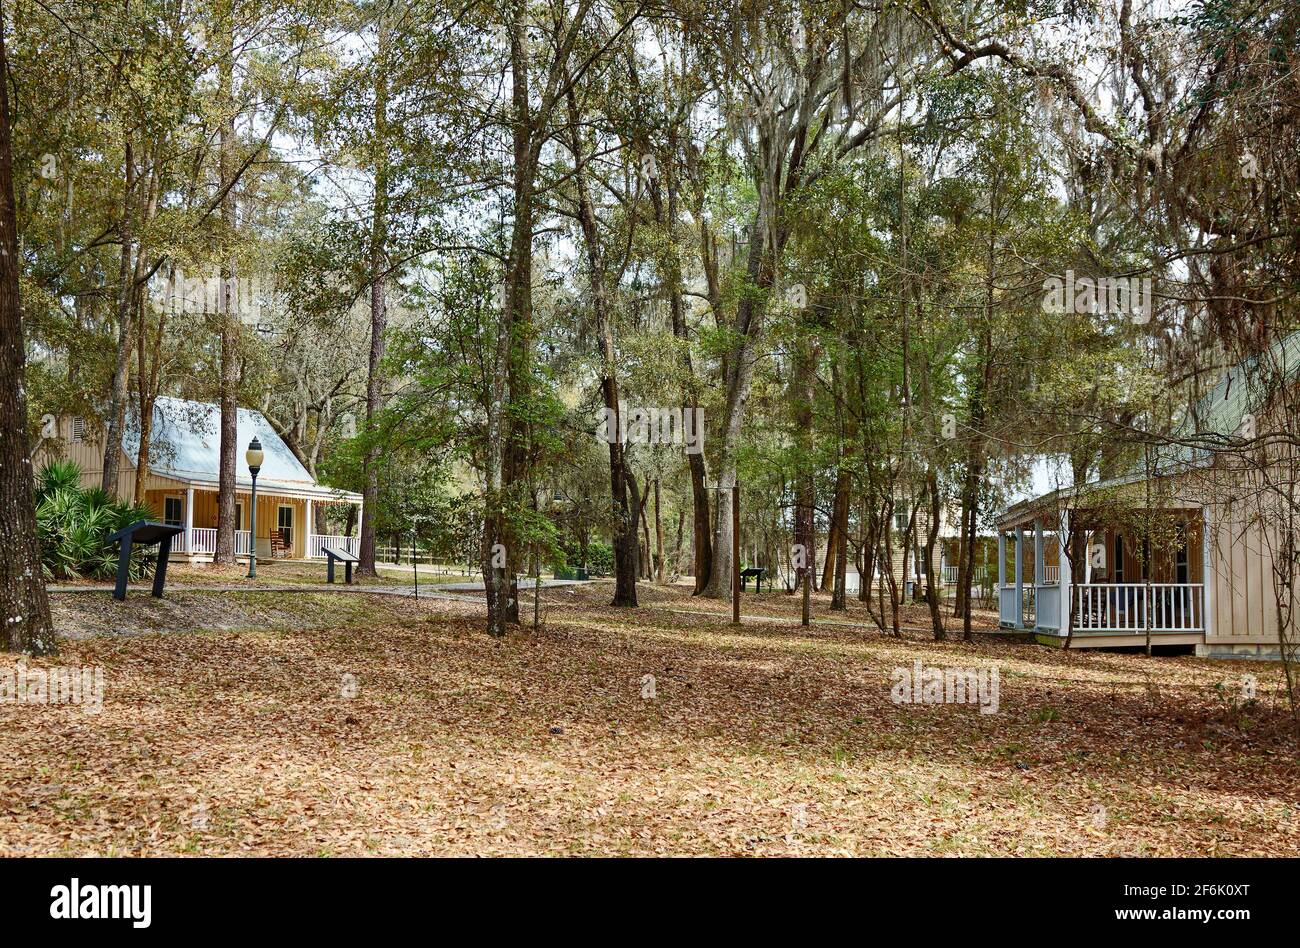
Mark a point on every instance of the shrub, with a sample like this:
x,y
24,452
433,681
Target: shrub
x,y
74,523
600,557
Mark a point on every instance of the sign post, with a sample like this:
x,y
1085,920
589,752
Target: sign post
x,y
144,533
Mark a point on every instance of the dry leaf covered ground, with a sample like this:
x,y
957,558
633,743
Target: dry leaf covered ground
x,y
344,724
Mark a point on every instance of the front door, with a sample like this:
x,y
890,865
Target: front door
x,y
284,524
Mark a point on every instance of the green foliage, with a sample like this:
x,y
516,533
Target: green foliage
x,y
599,559
73,525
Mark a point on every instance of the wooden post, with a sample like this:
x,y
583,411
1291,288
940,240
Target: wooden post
x,y
189,520
735,553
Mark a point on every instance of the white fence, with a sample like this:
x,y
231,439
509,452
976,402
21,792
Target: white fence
x,y
950,576
1124,607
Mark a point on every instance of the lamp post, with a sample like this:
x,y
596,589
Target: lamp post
x,y
254,458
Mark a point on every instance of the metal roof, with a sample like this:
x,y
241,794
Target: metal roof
x,y
185,445
1243,390
1219,413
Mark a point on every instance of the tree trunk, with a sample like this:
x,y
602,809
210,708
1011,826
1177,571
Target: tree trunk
x,y
647,560
805,498
677,546
840,530
122,367
24,605
635,501
741,359
229,380
659,538
378,304
702,544
147,383
501,456
931,536
666,218
624,519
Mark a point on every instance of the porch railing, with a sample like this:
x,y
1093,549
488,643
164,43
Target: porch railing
x,y
1008,607
1051,574
316,543
1125,607
950,576
1047,607
204,540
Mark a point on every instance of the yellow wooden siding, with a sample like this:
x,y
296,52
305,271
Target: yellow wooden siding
x,y
87,454
268,505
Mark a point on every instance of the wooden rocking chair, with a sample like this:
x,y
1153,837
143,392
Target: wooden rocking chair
x,y
279,548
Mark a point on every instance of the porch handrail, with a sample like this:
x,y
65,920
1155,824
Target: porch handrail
x,y
1125,607
316,543
204,540
950,575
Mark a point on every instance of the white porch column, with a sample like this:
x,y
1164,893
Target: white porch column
x,y
1002,559
1020,578
310,524
1208,575
1040,571
1087,557
1066,586
189,519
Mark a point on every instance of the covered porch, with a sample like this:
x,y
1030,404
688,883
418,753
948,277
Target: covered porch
x,y
286,525
1123,579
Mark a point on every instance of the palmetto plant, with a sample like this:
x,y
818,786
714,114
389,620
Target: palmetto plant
x,y
74,523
